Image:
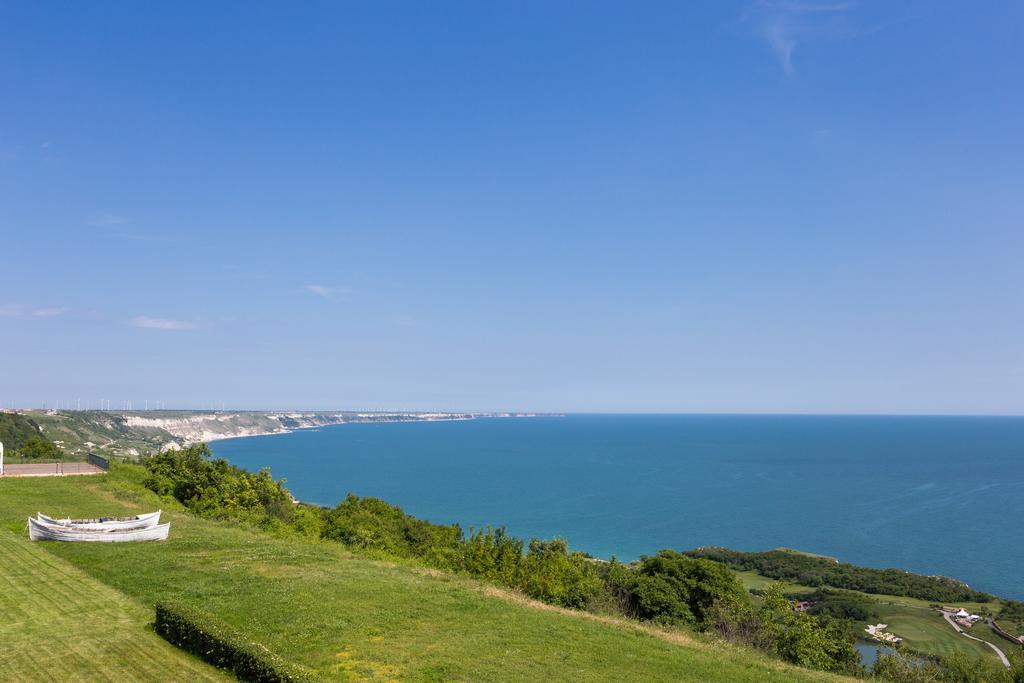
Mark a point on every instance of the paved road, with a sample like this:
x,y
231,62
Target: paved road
x,y
956,627
50,469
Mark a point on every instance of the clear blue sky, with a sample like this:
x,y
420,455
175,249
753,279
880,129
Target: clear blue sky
x,y
786,206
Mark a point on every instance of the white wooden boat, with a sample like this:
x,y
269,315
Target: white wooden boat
x,y
41,531
136,522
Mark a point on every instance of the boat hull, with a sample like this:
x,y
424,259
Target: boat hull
x,y
146,521
40,531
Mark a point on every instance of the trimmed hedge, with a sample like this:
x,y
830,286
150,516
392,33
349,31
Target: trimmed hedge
x,y
213,641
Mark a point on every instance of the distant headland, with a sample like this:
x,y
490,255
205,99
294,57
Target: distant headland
x,y
129,434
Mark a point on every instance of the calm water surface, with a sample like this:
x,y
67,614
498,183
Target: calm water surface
x,y
934,495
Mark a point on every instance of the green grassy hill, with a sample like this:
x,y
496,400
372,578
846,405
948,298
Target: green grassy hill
x,y
350,617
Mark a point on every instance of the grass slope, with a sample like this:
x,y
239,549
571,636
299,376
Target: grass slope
x,y
59,624
351,617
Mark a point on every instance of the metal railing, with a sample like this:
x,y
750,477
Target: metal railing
x,y
98,461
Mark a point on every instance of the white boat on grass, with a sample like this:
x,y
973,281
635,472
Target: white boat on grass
x,y
145,521
41,531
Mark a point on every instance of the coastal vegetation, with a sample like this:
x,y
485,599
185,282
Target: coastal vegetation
x,y
217,489
814,570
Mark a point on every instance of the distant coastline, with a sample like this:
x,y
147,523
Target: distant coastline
x,y
131,434
368,418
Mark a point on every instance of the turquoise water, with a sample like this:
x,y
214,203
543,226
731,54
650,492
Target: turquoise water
x,y
933,495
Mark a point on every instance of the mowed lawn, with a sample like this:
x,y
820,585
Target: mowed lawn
x,y
59,624
926,631
349,617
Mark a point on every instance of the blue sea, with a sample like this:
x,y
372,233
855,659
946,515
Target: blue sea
x,y
933,495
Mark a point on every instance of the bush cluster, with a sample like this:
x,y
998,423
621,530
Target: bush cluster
x,y
214,487
673,589
215,642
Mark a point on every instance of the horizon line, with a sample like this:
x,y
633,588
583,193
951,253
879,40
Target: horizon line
x,y
485,413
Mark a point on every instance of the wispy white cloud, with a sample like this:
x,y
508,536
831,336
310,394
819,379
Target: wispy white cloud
x,y
165,324
113,225
784,25
405,321
48,312
808,7
107,220
780,38
139,236
28,312
325,291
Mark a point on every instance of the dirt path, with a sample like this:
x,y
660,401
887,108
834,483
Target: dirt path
x,y
956,627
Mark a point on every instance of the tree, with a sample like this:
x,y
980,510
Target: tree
x,y
40,448
675,589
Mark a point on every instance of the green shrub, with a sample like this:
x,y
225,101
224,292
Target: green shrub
x,y
671,588
215,488
372,524
40,448
550,572
215,642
